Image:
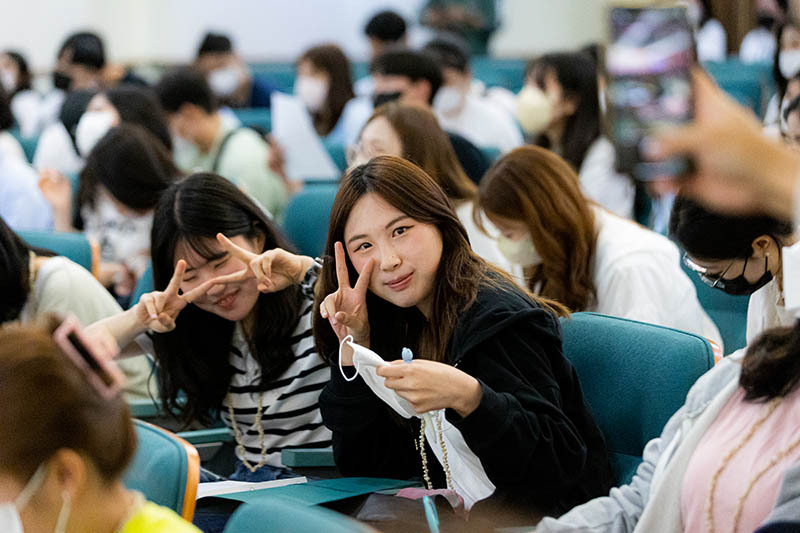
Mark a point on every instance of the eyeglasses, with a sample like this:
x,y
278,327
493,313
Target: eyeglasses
x,y
715,281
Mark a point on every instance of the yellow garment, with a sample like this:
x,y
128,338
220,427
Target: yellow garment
x,y
152,518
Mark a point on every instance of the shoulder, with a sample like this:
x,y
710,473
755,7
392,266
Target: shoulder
x,y
64,286
622,242
152,518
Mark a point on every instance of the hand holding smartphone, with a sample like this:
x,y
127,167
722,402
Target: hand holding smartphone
x,y
649,85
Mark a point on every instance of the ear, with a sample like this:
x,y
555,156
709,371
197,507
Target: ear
x,y
570,104
761,246
68,469
421,89
191,111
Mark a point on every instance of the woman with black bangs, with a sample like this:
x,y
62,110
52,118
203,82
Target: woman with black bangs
x,y
231,323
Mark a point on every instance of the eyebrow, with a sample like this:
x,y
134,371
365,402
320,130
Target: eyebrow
x,y
390,224
210,259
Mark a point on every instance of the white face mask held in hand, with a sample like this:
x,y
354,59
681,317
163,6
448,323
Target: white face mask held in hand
x,y
467,476
92,127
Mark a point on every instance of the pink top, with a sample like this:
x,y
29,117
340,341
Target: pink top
x,y
734,421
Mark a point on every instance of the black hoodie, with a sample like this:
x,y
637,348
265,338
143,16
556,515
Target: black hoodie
x,y
534,436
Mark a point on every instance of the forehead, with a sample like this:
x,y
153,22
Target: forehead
x,y
790,34
370,215
198,252
390,82
507,224
378,128
99,102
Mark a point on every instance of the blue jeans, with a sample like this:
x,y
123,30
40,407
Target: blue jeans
x,y
264,473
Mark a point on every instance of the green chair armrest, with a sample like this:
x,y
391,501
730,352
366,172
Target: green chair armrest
x,y
206,436
307,457
143,408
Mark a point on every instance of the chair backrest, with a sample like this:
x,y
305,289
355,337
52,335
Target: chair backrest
x,y
634,377
73,246
284,516
143,285
166,469
306,219
255,116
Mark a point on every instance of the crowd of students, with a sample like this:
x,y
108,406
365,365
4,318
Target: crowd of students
x,y
432,250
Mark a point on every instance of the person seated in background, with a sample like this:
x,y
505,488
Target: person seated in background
x,y
9,145
384,30
573,131
229,76
738,255
472,21
22,203
460,110
325,87
15,78
65,444
125,174
33,282
785,66
758,46
485,352
412,132
57,150
216,145
710,36
579,254
414,78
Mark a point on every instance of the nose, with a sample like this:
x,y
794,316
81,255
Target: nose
x,y
215,290
390,260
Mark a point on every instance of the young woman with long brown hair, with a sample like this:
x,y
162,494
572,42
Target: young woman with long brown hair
x,y
486,351
581,255
413,133
325,86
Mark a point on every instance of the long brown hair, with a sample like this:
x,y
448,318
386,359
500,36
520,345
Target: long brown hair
x,y
70,414
426,145
459,276
538,187
331,59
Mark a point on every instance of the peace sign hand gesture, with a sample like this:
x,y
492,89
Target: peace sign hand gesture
x,y
274,269
158,310
346,309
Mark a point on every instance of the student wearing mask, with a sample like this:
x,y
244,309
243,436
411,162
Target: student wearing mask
x,y
34,282
790,124
228,75
709,32
738,255
15,78
460,108
232,322
785,66
57,150
324,86
581,255
758,46
211,143
415,78
412,132
573,126
484,350
64,472
384,30
22,203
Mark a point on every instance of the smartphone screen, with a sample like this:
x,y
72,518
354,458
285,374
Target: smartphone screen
x,y
649,86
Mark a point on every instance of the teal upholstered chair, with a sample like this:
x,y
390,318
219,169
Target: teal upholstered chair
x,y
256,116
306,219
337,153
634,377
28,143
277,515
166,469
143,285
74,246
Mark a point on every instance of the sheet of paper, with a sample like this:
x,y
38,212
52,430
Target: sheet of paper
x,y
304,153
217,488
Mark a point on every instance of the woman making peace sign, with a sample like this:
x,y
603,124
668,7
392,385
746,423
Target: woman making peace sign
x,y
232,323
485,350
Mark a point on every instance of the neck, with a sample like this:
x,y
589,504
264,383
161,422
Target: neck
x,y
208,132
426,307
555,133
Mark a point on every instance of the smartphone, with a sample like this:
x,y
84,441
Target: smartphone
x,y
103,375
649,86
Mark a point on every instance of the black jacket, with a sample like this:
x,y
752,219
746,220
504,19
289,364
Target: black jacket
x,y
532,432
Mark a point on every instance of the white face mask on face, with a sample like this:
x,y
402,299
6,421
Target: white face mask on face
x,y
312,91
789,63
449,100
92,127
10,521
8,80
534,110
521,252
224,81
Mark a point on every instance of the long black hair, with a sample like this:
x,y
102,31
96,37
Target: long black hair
x,y
576,73
131,164
771,366
140,105
707,235
193,358
14,273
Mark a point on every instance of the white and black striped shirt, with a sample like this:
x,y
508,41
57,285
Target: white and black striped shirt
x,y
291,417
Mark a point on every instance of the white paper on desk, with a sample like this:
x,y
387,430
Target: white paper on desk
x,y
305,155
218,488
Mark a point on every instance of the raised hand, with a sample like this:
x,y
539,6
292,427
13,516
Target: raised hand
x,y
274,269
346,309
158,310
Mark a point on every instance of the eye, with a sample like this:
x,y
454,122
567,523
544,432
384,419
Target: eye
x,y
189,279
400,230
220,263
362,246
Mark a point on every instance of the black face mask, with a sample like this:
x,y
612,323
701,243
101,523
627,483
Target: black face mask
x,y
384,98
739,285
61,81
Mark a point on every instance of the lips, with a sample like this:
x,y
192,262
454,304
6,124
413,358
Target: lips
x,y
227,301
401,283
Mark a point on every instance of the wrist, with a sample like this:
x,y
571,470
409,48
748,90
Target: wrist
x,y
470,398
304,264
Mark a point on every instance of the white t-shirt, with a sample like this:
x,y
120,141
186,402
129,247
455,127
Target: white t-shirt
x,y
482,124
56,151
602,183
26,106
22,204
637,275
766,311
482,244
63,287
758,46
123,239
10,147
